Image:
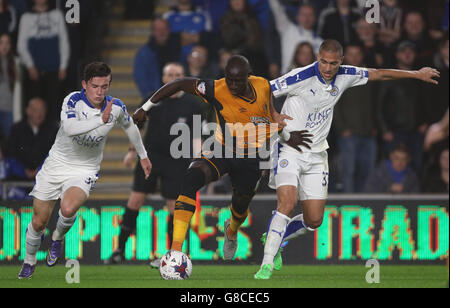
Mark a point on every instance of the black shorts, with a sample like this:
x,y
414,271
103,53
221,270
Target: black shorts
x,y
170,172
244,173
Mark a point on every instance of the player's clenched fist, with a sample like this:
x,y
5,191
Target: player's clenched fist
x,y
139,117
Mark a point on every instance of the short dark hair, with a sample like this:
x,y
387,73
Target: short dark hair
x,y
332,46
355,45
401,147
96,69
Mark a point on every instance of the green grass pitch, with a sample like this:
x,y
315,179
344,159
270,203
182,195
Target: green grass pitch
x,y
232,276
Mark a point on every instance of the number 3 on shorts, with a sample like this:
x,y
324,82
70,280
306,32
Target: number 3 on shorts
x,y
325,179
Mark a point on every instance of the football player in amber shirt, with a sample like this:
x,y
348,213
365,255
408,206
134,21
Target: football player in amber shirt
x,y
244,112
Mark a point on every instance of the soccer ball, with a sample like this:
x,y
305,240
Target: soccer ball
x,y
175,265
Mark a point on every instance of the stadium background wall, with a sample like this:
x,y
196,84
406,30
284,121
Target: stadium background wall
x,y
400,230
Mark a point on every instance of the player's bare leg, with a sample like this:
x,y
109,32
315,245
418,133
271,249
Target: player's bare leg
x,y
73,199
308,221
239,212
42,211
313,212
287,200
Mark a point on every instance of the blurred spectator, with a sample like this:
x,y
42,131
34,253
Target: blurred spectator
x,y
373,49
394,175
441,58
217,8
240,31
191,24
436,14
198,64
400,109
8,17
162,48
391,15
20,6
354,125
214,9
438,95
11,170
31,139
292,34
304,55
138,9
416,32
224,55
338,22
44,50
437,181
437,132
81,40
8,76
318,5
445,17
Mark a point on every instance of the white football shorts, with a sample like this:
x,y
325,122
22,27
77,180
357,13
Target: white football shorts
x,y
306,171
54,178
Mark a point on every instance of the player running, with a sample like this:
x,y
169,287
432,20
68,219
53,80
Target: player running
x,y
239,98
71,169
312,92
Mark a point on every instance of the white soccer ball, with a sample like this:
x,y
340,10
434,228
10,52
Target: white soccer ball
x,y
175,265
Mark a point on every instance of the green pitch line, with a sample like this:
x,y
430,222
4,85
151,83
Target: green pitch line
x,y
232,276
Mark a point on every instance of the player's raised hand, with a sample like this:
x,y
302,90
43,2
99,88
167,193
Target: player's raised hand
x,y
147,167
107,111
428,74
139,117
300,138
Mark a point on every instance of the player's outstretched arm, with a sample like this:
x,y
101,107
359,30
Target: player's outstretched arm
x,y
183,84
426,74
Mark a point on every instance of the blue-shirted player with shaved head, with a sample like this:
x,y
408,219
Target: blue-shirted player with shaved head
x,y
71,169
312,92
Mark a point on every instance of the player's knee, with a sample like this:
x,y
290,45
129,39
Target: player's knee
x,y
68,209
206,169
38,223
287,203
194,179
136,201
313,222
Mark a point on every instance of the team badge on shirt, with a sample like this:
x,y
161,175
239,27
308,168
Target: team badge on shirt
x,y
284,163
334,91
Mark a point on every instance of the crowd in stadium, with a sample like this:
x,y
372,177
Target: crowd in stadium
x,y
377,141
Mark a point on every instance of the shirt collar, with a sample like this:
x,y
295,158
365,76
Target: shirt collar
x,y
85,99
